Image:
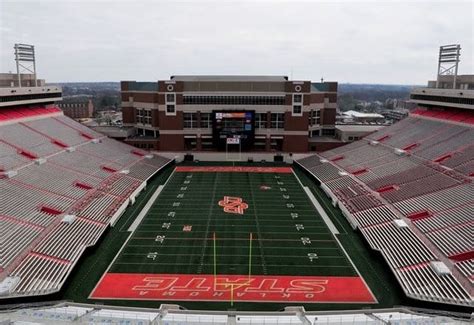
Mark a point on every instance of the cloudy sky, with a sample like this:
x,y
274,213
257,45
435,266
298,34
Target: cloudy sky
x,y
384,41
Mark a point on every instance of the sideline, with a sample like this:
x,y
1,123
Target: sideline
x,y
318,207
147,206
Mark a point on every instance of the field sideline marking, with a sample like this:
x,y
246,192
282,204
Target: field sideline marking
x,y
318,207
145,209
330,211
330,224
148,205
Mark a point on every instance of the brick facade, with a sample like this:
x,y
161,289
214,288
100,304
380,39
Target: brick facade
x,y
178,124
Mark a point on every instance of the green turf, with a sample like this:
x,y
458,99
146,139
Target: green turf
x,y
277,249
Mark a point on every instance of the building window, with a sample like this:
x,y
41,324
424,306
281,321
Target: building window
x,y
314,117
170,104
277,121
189,120
261,120
329,132
170,98
170,109
206,121
297,104
233,100
297,109
143,116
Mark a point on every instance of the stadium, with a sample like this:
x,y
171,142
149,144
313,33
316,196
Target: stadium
x,y
94,230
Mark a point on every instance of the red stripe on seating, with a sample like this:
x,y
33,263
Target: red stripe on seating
x,y
443,157
51,258
360,171
83,186
410,146
85,135
413,267
59,143
418,215
28,154
337,158
49,210
383,138
386,188
256,288
462,256
109,169
226,169
138,153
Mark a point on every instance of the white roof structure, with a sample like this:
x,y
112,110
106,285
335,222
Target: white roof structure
x,y
357,114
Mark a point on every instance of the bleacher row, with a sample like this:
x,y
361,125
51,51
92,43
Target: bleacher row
x,y
62,185
416,208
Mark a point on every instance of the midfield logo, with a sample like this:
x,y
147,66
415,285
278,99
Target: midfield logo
x,y
233,204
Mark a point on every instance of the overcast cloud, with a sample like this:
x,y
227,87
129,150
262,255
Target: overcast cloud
x,y
347,41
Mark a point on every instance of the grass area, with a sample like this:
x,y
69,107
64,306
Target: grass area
x,y
277,248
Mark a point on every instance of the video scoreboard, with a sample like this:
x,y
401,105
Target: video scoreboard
x,y
233,125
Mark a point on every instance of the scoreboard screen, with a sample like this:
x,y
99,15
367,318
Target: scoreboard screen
x,y
233,124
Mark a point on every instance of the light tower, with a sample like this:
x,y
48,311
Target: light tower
x,y
25,61
448,62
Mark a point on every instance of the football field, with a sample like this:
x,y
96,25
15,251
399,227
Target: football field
x,y
233,234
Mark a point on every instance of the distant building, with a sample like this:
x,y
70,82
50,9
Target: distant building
x,y
77,107
10,80
444,97
29,96
446,82
265,113
359,117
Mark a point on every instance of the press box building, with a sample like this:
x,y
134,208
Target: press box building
x,y
267,113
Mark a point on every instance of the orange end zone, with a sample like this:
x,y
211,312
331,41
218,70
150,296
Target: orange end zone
x,y
229,169
257,288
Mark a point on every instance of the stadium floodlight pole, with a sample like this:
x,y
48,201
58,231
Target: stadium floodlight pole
x,y
448,62
25,53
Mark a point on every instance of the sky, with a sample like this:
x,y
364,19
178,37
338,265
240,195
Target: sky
x,y
384,41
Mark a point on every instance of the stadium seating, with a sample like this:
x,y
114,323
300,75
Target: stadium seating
x,y
62,184
408,189
73,313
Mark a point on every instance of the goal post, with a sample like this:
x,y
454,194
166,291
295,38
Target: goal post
x,y
233,143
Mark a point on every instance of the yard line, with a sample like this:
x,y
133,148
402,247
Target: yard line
x,y
208,223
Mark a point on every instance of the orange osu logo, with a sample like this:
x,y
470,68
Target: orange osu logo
x,y
233,204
